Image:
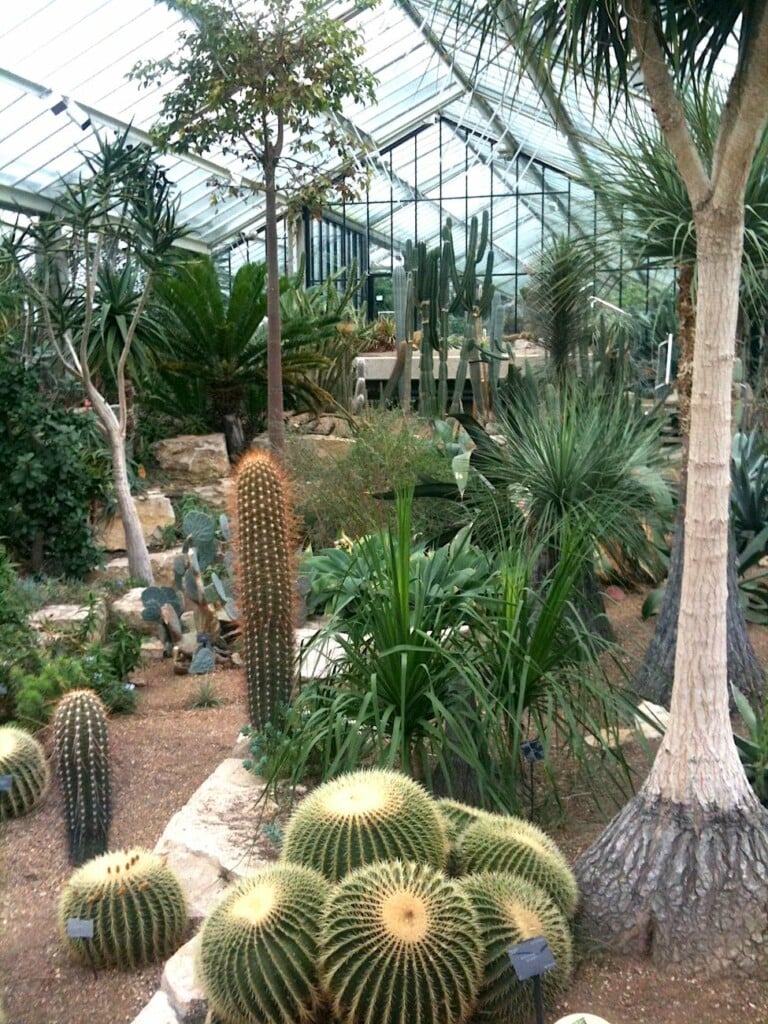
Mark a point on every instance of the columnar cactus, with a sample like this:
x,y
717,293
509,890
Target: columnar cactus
x,y
264,546
259,947
135,903
400,944
363,817
81,752
510,911
23,770
499,843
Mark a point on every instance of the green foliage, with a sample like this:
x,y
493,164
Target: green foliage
x,y
81,753
22,759
335,496
400,943
340,581
266,579
136,904
753,748
205,696
361,818
54,467
18,644
509,911
259,947
498,843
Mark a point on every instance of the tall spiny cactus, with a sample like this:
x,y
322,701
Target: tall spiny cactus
x,y
81,752
264,545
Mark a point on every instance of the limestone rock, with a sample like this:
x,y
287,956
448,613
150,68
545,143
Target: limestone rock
x,y
181,985
116,569
155,514
195,459
217,495
159,1010
54,621
129,609
210,842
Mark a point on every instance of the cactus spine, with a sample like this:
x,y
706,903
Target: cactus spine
x,y
136,904
259,947
363,817
400,944
81,752
509,911
264,544
499,843
22,761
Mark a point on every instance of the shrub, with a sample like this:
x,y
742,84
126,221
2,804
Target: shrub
x,y
18,643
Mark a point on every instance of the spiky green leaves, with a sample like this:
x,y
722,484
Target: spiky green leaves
x,y
24,771
264,544
400,945
364,817
81,751
259,947
498,843
509,911
136,904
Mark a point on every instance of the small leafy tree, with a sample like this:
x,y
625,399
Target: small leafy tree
x,y
264,86
118,214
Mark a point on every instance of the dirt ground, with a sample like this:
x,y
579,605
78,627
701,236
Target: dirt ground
x,y
160,755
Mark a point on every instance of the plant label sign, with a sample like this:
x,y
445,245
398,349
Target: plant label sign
x,y
531,958
79,928
6,783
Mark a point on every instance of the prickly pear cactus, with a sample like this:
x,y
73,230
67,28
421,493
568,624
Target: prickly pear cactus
x,y
264,546
363,817
499,843
259,947
510,911
24,772
400,944
81,753
136,904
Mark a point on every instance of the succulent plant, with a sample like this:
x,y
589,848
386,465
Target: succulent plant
x,y
400,944
23,769
81,753
136,904
456,817
264,545
499,843
363,817
259,947
509,911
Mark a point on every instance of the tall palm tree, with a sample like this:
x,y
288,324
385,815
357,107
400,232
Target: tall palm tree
x,y
679,874
646,186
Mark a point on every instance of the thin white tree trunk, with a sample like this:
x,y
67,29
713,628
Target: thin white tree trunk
x,y
698,763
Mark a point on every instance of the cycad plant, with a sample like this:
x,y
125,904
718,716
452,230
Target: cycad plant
x,y
216,362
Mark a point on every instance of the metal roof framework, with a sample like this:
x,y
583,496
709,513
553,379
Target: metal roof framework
x,y
482,128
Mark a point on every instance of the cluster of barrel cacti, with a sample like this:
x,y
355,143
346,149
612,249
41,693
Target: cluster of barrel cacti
x,y
81,753
266,580
362,922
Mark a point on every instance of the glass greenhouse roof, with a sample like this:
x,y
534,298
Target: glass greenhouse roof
x,y
63,76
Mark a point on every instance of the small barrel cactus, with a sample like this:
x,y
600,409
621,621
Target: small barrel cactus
x,y
509,911
24,771
81,752
136,904
364,817
259,947
499,843
456,817
264,544
400,944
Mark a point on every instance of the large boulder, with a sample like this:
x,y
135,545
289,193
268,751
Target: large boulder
x,y
192,458
155,513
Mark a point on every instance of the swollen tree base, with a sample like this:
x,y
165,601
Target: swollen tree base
x,y
680,884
